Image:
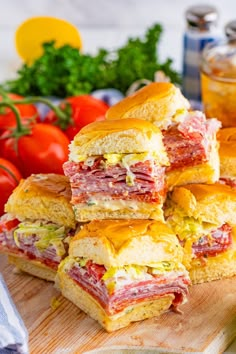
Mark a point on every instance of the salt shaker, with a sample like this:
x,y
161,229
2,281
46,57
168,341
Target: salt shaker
x,y
201,29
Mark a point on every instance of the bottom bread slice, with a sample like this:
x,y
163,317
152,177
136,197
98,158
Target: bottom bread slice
x,y
214,268
33,267
89,305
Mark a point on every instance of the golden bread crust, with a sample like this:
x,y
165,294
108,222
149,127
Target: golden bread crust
x,y
120,137
213,203
156,102
89,305
208,172
122,242
106,127
214,268
43,196
204,192
32,267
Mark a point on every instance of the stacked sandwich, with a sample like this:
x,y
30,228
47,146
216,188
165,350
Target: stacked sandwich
x,y
145,185
204,218
38,224
125,265
189,138
199,210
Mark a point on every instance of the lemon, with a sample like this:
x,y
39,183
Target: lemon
x,y
33,32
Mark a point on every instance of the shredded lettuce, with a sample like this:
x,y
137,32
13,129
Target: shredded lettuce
x,y
185,226
118,276
113,159
49,235
128,160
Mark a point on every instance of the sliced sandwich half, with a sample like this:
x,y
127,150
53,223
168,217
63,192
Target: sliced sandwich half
x,y
189,138
121,271
117,171
38,224
204,219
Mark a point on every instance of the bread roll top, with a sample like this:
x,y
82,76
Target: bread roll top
x,y
158,102
122,242
127,136
42,197
213,203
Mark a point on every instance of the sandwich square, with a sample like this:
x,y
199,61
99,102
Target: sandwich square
x,y
38,224
117,170
122,271
204,219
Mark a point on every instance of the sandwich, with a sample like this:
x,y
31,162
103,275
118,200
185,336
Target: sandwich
x,y
204,218
227,151
38,224
189,138
122,271
117,171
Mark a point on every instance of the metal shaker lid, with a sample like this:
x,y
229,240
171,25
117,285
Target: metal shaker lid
x,y
201,17
230,30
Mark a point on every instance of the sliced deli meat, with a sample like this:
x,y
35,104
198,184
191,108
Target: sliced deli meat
x,y
117,170
190,142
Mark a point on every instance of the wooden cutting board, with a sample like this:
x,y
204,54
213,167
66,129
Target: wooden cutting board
x,y
207,325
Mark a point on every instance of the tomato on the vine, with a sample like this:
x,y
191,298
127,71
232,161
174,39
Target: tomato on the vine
x,y
27,112
9,179
41,148
83,109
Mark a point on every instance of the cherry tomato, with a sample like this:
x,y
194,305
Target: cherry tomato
x,y
43,150
9,179
85,109
27,112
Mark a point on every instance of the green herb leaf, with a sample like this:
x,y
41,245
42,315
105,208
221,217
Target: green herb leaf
x,y
64,71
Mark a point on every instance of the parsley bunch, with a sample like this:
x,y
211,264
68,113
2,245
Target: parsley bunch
x,y
65,71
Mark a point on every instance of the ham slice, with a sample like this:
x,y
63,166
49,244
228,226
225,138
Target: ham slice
x,y
190,142
49,256
26,247
228,181
132,293
220,240
110,181
182,151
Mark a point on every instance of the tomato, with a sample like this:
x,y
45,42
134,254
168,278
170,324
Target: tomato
x,y
85,109
9,179
42,150
95,270
27,112
7,225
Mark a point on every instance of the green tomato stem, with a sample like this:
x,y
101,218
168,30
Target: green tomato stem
x,y
62,116
10,173
20,128
4,95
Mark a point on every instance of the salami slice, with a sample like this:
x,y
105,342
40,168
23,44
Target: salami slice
x,y
219,240
131,293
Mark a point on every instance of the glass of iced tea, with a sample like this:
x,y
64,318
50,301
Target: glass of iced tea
x,y
218,81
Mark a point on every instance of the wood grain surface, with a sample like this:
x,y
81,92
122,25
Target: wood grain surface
x,y
207,325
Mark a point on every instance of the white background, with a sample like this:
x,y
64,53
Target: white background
x,y
107,24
